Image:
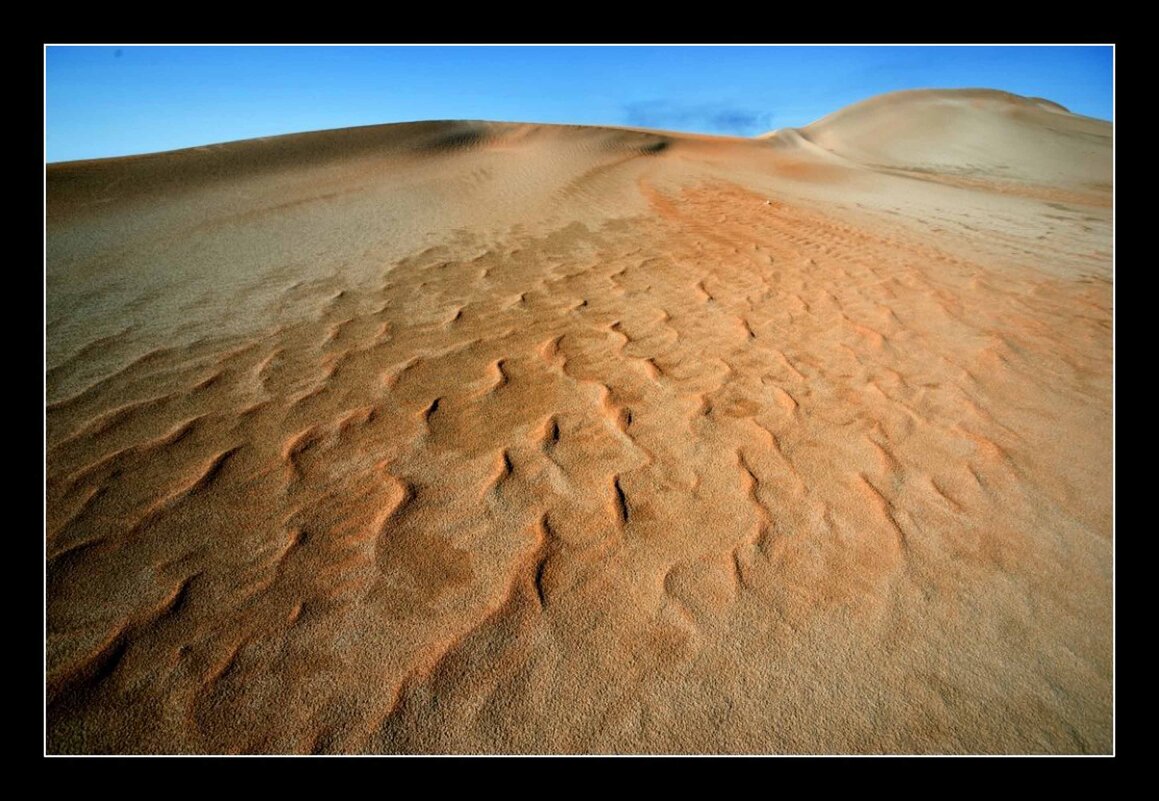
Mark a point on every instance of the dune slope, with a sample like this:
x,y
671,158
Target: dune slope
x,y
495,438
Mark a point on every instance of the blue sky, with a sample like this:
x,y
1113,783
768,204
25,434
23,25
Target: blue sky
x,y
108,101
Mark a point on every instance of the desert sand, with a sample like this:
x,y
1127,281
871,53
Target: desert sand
x,y
460,437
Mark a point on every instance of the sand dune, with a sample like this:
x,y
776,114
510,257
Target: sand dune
x,y
493,438
970,133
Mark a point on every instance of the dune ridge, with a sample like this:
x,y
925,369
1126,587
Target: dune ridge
x,y
468,437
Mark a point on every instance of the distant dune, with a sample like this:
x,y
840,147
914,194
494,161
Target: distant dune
x,y
465,437
970,132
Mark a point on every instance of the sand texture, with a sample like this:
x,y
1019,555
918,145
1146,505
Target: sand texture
x,y
462,437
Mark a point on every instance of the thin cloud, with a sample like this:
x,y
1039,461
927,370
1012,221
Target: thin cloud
x,y
703,118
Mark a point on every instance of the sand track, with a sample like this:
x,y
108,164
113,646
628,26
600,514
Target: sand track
x,y
703,467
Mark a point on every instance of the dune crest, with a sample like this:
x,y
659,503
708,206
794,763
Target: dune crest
x,y
471,437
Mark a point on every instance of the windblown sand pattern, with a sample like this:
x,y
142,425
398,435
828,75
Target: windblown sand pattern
x,y
488,438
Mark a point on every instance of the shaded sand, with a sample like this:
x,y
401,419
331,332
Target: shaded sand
x,y
472,437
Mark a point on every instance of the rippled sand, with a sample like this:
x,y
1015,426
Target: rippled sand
x,y
476,437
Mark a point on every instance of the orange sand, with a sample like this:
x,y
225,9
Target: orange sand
x,y
490,438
